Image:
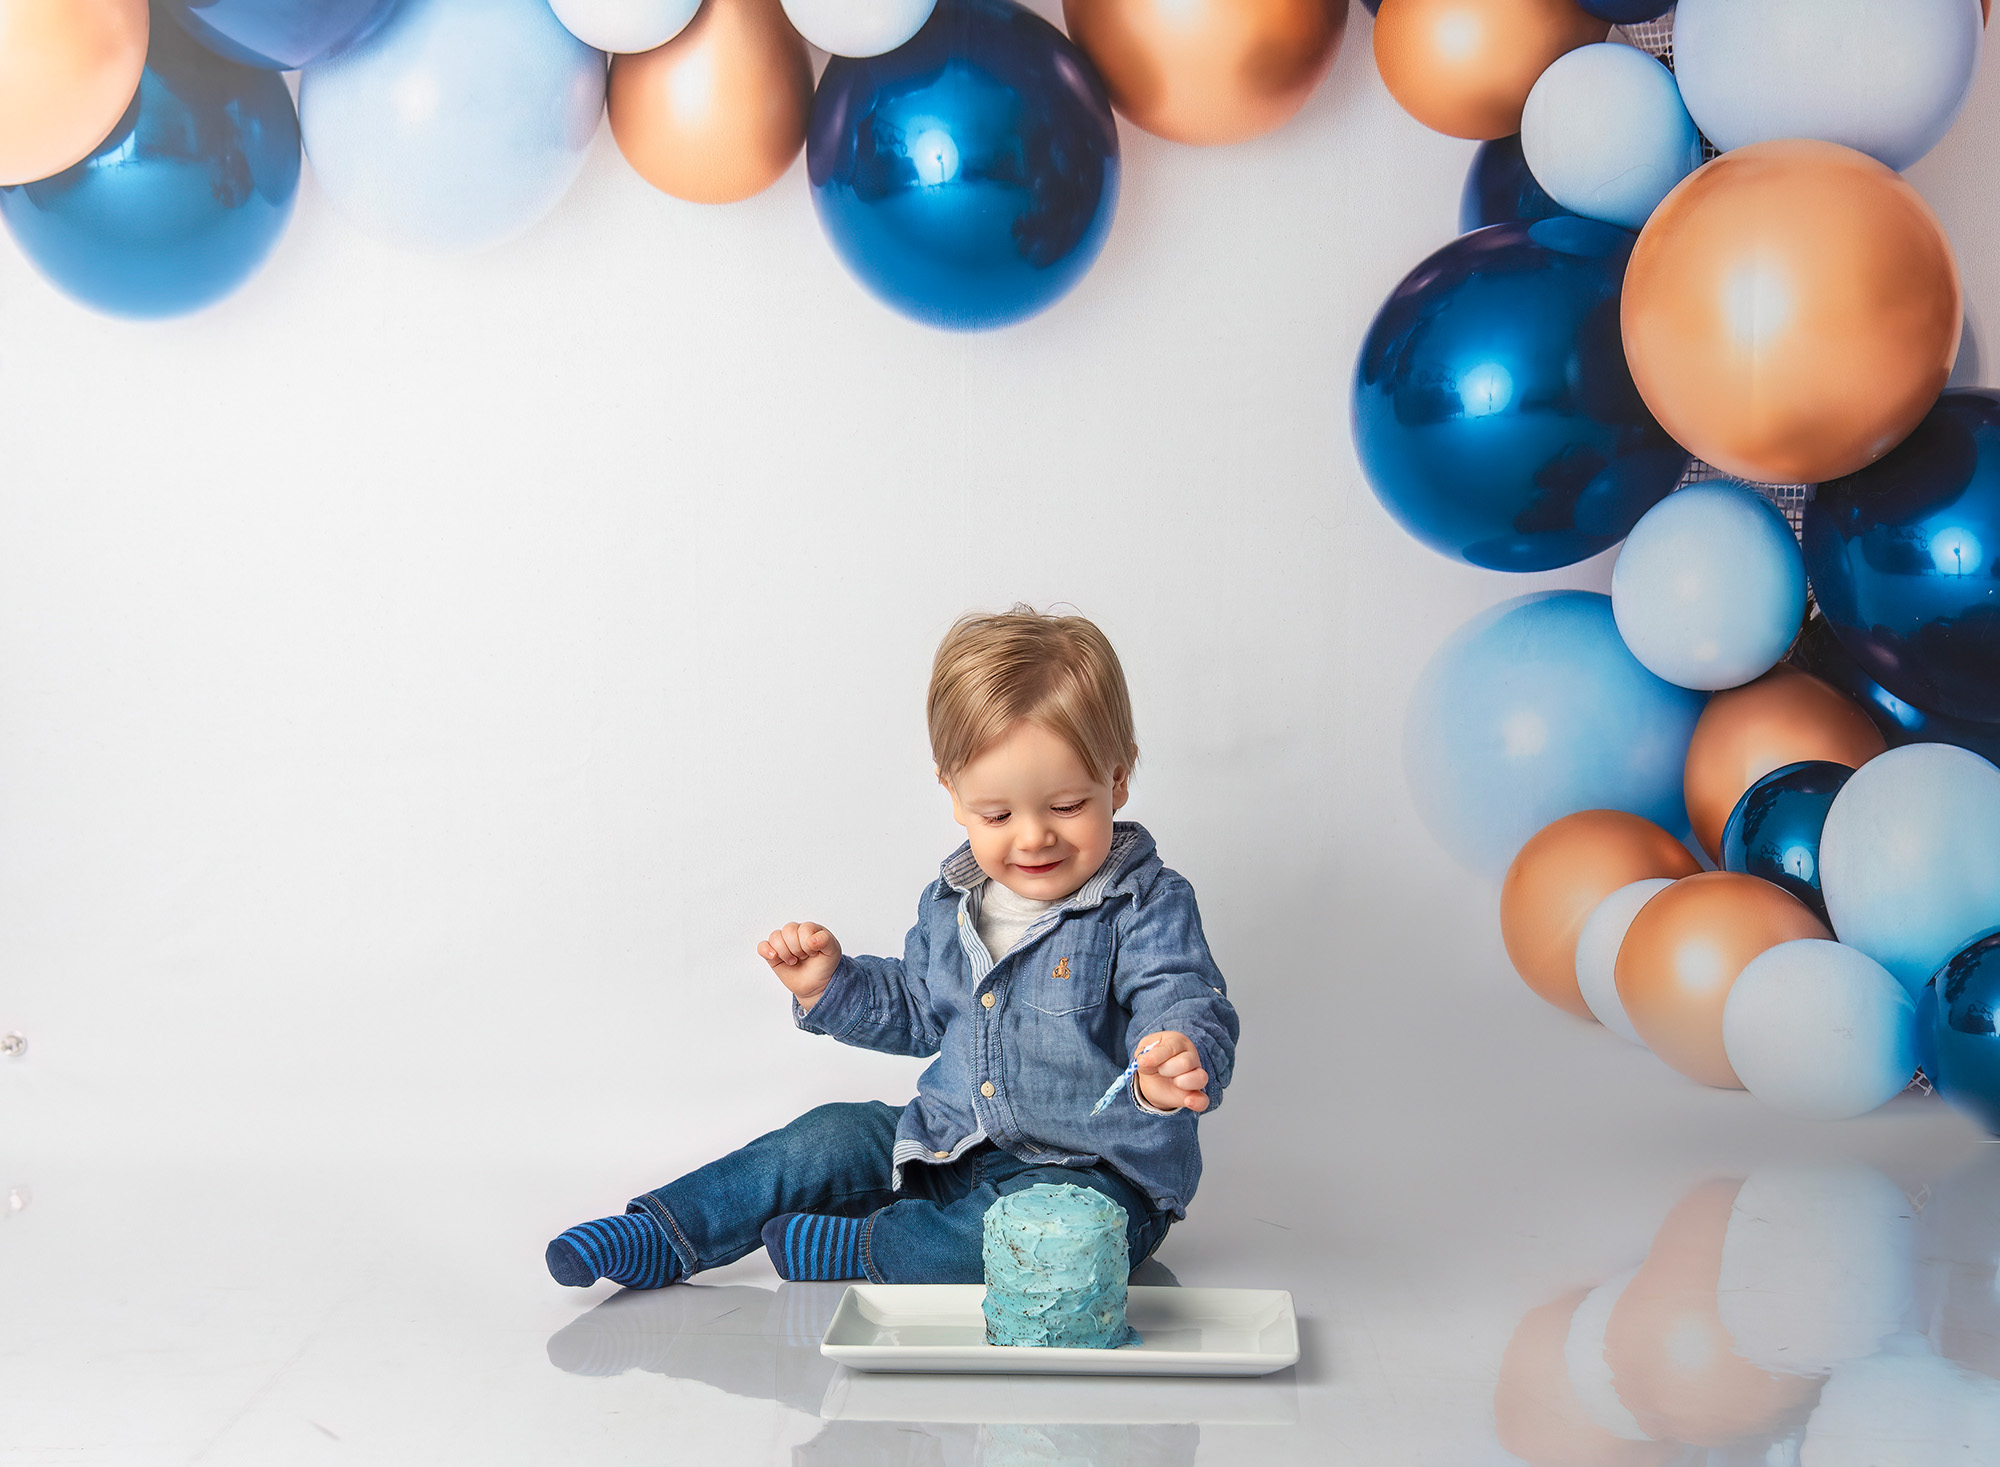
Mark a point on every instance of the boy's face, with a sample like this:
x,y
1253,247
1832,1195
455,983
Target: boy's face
x,y
1039,823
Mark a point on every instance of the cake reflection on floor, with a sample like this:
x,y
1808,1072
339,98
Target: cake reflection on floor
x,y
764,1344
1815,1314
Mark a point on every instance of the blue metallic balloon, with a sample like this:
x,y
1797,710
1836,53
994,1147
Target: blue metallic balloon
x,y
1373,7
968,177
1500,189
1625,12
1819,652
1774,830
278,35
1958,1017
1493,411
1904,558
185,199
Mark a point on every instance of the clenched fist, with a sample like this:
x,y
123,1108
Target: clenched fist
x,y
803,955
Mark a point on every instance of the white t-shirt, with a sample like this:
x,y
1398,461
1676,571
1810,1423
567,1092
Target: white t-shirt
x,y
1003,916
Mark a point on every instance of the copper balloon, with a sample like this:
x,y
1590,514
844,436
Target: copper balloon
x,y
1465,67
1743,734
1558,879
1682,954
719,112
1536,1413
1792,311
1209,71
68,71
1672,1361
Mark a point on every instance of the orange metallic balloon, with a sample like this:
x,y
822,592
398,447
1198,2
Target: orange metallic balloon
x,y
719,112
1784,717
1558,879
1535,1408
1791,311
1465,67
1672,1361
1209,71
1682,954
68,69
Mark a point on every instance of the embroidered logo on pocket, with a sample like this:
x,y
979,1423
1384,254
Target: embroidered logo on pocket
x,y
1062,969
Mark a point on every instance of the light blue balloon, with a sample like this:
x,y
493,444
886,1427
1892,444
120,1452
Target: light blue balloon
x,y
1819,1030
1910,858
456,125
1606,134
1532,711
1710,588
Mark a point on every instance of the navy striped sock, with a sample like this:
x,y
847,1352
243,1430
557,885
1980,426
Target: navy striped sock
x,y
631,1250
804,1245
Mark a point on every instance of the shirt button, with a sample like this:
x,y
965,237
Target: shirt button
x,y
986,1000
941,1155
961,919
987,1089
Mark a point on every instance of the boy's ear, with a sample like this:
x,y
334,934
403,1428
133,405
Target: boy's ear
x,y
1120,787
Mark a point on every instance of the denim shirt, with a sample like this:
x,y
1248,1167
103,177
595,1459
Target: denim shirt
x,y
1025,1046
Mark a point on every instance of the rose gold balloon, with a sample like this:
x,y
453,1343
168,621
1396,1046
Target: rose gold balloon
x,y
1535,1409
68,69
1465,67
719,112
1682,954
1558,879
1792,311
1743,734
1209,71
1672,1361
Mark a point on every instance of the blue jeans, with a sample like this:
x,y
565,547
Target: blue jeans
x,y
834,1160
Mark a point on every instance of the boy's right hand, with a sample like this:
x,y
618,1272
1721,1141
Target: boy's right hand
x,y
803,955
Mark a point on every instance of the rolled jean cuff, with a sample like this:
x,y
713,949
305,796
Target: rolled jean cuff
x,y
676,1239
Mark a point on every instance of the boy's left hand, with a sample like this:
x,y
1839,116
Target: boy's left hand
x,y
1171,1076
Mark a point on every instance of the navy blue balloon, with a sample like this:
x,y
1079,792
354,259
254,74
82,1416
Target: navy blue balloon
x,y
1500,189
1958,1021
1774,830
278,35
968,177
1372,6
1904,559
1625,12
185,199
1819,652
1493,410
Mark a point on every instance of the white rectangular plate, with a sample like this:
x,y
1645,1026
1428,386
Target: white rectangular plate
x,y
939,1328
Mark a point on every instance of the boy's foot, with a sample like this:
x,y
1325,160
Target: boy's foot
x,y
630,1249
804,1245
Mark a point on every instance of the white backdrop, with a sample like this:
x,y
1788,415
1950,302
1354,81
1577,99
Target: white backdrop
x,y
422,681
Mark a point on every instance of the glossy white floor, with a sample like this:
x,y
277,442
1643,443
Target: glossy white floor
x,y
1460,1235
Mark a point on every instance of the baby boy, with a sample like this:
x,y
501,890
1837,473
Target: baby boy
x,y
1053,946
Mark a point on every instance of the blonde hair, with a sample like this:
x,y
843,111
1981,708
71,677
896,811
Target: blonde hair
x,y
993,671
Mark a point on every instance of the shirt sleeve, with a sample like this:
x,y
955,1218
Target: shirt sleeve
x,y
879,1003
1165,979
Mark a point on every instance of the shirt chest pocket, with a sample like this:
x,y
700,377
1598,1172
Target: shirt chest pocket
x,y
1067,974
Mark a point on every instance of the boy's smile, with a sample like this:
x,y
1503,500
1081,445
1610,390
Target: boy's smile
x,y
1038,821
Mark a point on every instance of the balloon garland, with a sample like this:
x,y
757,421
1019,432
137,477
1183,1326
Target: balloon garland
x,y
1693,308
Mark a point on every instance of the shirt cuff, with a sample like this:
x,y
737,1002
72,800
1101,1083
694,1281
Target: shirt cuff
x,y
1140,1101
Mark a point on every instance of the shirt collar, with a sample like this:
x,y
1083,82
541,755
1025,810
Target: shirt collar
x,y
962,874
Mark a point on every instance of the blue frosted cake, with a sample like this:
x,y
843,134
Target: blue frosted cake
x,y
1056,1265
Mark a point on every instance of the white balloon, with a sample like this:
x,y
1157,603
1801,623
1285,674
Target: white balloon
x,y
1818,1266
858,27
1590,1375
1819,1030
1904,1407
625,25
1887,77
1597,953
1604,132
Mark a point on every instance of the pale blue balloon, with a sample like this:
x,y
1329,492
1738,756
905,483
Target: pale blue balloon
x,y
456,125
1909,860
1887,77
1532,711
1710,588
1606,134
1820,1030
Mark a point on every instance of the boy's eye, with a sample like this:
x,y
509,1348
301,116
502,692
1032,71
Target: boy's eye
x,y
1000,819
1067,809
